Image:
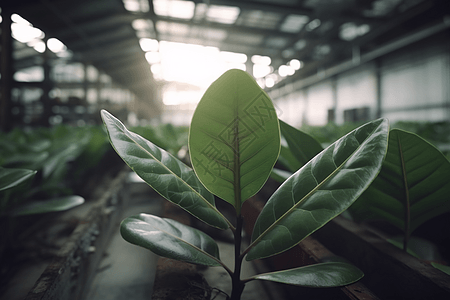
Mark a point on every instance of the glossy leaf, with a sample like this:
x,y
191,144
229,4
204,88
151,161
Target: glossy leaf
x,y
303,146
322,189
171,239
10,178
50,205
412,187
163,172
322,275
234,138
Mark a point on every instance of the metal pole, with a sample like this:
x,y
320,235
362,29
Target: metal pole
x,y
6,71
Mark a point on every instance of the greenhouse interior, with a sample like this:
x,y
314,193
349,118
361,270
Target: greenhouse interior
x,y
224,149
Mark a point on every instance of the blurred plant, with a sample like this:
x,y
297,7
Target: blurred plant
x,y
412,186
57,156
234,142
411,189
171,138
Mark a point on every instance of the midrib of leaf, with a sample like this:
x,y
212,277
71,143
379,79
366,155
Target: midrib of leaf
x,y
126,132
237,161
288,212
407,219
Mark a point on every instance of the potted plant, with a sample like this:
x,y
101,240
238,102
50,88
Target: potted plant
x,y
234,142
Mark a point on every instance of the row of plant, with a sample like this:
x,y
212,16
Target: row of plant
x,y
436,133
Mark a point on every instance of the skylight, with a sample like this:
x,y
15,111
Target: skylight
x,y
350,31
174,8
149,44
194,64
222,14
23,31
260,19
136,5
294,23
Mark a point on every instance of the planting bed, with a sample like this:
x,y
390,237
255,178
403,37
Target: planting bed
x,y
55,253
389,271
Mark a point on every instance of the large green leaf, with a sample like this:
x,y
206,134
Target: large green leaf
x,y
171,239
412,187
323,275
50,205
303,146
322,189
167,175
234,138
10,178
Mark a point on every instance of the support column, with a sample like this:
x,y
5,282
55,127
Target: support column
x,y
6,71
378,109
46,87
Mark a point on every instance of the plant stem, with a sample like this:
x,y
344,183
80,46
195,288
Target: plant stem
x,y
237,284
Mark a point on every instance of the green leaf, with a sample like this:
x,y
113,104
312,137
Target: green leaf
x,y
234,138
412,187
10,178
280,175
171,239
163,172
322,275
418,247
322,189
303,146
51,205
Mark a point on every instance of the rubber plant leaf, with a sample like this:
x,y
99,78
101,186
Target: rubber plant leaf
x,y
303,146
11,177
169,238
234,137
322,275
167,175
50,205
412,187
322,189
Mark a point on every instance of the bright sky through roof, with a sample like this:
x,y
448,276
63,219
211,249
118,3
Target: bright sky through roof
x,y
194,64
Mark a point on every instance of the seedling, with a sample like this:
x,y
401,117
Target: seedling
x,y
234,142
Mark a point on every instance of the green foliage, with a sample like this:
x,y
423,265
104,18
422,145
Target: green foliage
x,y
167,175
171,239
300,148
329,133
330,274
234,141
412,187
322,189
57,156
165,136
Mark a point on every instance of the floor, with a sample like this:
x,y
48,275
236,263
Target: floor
x,y
128,271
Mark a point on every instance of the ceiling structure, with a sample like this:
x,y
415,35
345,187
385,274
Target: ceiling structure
x,y
319,33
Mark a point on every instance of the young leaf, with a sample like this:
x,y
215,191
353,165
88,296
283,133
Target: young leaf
x,y
10,178
51,205
171,239
322,189
163,172
322,275
303,146
412,186
234,138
